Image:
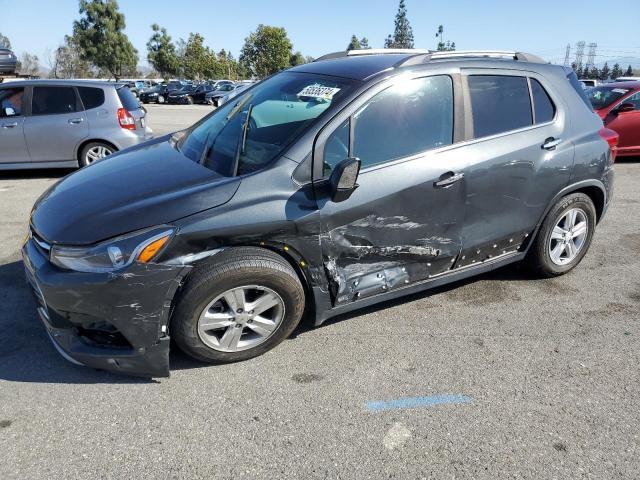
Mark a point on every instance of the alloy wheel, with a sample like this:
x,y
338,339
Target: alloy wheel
x,y
241,318
568,237
97,152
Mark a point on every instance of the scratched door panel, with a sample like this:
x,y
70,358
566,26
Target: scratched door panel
x,y
396,229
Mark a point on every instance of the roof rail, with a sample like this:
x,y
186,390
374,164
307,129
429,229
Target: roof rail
x,y
513,55
373,51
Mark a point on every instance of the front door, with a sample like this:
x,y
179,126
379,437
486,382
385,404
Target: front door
x,y
13,147
402,223
57,124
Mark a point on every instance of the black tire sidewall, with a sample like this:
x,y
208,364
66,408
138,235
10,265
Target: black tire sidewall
x,y
184,324
542,260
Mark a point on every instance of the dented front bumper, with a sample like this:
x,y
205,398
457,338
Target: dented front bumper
x,y
111,321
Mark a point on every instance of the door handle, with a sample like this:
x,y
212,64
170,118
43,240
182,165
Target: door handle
x,y
551,143
10,125
75,121
448,178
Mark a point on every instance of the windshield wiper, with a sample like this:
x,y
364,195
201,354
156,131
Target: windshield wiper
x,y
242,140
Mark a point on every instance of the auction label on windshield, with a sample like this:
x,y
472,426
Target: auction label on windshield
x,y
318,91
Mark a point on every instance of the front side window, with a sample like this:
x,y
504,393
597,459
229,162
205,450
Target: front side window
x,y
11,102
53,100
244,135
499,103
411,116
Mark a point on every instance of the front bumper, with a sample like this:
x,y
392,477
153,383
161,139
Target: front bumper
x,y
112,321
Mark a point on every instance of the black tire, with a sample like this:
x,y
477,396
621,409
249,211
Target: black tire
x,y
231,269
84,159
539,257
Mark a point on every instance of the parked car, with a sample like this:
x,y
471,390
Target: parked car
x,y
140,86
233,93
218,83
589,83
627,79
8,60
618,104
182,96
328,187
66,123
157,94
213,97
200,93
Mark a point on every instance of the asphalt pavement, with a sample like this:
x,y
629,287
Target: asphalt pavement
x,y
500,376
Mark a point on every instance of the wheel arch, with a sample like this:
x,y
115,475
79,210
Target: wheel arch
x,y
84,143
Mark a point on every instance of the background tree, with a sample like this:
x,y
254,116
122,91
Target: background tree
x,y
580,71
629,72
28,64
616,71
266,51
297,59
442,45
403,33
354,44
100,36
364,43
604,72
65,61
161,53
4,41
198,61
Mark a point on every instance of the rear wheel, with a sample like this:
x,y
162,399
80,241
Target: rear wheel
x,y
95,151
241,305
565,236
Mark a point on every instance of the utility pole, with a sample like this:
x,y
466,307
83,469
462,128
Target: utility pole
x,y
579,53
591,55
566,55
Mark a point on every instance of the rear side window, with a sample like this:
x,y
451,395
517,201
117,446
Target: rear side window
x,y
91,97
128,99
11,102
409,117
543,108
53,100
499,103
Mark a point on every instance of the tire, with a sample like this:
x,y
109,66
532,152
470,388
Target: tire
x,y
543,257
189,100
92,151
244,267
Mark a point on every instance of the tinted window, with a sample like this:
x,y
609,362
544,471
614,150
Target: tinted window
x,y
407,118
53,100
91,97
336,148
635,99
499,104
128,100
11,98
542,105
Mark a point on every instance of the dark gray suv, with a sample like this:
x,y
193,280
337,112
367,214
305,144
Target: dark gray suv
x,y
331,186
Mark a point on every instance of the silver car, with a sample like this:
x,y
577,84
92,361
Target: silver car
x,y
66,123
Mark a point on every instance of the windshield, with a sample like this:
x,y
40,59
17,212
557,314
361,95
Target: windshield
x,y
244,135
602,97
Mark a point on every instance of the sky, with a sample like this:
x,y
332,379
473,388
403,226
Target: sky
x,y
543,27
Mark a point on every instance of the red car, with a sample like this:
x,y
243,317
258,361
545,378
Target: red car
x,y
618,104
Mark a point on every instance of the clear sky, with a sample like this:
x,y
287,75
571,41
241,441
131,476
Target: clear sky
x,y
315,27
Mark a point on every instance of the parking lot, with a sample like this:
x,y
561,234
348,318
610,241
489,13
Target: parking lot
x,y
546,373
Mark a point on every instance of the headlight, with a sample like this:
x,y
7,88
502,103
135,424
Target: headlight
x,y
113,254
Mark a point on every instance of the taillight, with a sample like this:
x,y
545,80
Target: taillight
x,y
126,120
611,138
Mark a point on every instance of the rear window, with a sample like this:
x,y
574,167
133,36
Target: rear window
x,y
543,107
602,97
128,100
91,97
53,100
499,103
577,86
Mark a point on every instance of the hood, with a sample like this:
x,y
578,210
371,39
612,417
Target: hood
x,y
141,187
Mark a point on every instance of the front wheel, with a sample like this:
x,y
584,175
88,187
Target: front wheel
x,y
94,151
160,99
241,305
565,236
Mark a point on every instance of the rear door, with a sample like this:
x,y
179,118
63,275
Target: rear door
x,y
57,125
13,146
518,158
402,223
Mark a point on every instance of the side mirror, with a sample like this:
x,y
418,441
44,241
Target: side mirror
x,y
625,107
343,179
9,112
